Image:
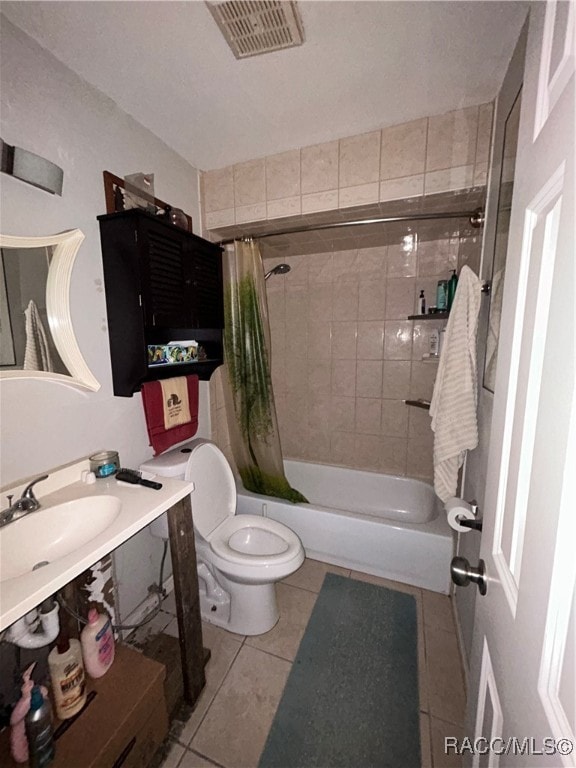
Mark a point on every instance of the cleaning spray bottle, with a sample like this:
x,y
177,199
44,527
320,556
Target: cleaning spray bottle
x,y
97,641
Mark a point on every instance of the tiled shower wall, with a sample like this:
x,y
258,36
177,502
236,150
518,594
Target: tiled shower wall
x,y
428,156
344,355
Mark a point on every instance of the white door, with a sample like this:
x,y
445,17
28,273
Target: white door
x,y
523,670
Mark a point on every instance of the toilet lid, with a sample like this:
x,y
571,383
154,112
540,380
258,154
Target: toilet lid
x,y
214,495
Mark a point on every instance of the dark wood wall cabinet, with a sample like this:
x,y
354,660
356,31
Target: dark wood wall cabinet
x,y
163,284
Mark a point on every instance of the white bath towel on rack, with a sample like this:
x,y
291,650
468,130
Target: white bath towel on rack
x,y
37,355
454,402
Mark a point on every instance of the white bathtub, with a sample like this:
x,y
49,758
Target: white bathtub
x,y
380,524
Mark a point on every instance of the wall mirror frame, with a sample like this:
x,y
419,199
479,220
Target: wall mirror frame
x,y
65,247
499,200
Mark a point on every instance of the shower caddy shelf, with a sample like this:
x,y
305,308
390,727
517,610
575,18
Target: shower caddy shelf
x,y
430,316
163,284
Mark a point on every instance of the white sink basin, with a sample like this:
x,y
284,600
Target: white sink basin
x,y
51,533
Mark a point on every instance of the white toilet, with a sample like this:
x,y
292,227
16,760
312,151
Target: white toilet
x,y
239,557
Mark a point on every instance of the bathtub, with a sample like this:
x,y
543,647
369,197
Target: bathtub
x,y
388,526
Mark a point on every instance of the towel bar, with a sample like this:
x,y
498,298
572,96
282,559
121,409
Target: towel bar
x,y
420,403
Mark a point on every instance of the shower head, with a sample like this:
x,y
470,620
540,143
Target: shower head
x,y
279,269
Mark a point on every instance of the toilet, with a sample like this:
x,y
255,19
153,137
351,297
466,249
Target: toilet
x,y
239,557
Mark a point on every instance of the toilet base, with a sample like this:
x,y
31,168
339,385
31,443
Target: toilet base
x,y
245,609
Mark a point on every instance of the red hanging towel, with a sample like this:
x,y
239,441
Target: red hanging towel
x,y
171,410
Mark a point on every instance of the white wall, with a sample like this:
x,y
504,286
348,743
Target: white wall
x,y
47,109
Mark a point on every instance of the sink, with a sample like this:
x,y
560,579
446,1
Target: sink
x,y
51,533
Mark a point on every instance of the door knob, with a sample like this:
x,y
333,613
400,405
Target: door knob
x,y
463,573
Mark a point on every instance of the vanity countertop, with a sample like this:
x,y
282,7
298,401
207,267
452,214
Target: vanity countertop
x,y
139,506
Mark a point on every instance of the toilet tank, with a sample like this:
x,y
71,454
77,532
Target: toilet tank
x,y
169,464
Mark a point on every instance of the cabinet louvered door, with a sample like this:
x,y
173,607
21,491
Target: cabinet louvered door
x,y
167,299
207,286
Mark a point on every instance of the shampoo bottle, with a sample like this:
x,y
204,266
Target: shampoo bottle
x,y
97,641
421,307
452,285
67,676
39,730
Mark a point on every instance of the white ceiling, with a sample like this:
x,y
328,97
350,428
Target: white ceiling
x,y
363,65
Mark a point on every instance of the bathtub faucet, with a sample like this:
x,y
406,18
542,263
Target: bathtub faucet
x,y
25,504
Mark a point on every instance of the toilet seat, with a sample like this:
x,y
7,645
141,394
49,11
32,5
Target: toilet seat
x,y
272,544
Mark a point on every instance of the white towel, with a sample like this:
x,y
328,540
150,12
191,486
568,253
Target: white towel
x,y
453,406
37,355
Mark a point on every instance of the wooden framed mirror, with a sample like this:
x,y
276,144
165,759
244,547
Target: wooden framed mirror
x,y
37,339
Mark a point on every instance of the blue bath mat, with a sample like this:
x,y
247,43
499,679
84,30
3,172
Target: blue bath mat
x,y
351,699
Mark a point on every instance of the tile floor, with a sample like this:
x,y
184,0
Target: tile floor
x,y
246,675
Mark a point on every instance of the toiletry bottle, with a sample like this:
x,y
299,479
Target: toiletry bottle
x,y
67,676
97,641
18,741
442,295
39,730
452,283
421,308
434,342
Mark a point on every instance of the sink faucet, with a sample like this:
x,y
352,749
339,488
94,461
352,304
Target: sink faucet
x,y
25,504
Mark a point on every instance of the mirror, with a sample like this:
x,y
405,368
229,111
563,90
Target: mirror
x,y
505,191
36,335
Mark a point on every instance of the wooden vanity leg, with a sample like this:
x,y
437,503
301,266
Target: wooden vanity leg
x,y
187,598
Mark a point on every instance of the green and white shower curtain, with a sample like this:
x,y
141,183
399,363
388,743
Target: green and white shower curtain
x,y
250,409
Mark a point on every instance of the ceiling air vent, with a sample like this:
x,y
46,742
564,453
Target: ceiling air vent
x,y
251,27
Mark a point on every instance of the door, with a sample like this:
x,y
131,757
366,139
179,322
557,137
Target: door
x,y
523,670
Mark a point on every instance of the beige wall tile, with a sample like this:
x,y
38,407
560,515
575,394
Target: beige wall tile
x,y
345,266
393,458
422,380
485,115
470,253
419,423
449,179
224,218
248,213
372,300
403,188
398,340
396,379
370,344
319,378
359,159
343,414
480,174
319,302
368,378
367,452
342,448
250,183
394,418
287,206
343,379
403,149
419,460
368,415
363,194
402,260
320,201
320,341
283,175
218,189
452,139
320,167
437,258
345,301
344,339
400,298
320,271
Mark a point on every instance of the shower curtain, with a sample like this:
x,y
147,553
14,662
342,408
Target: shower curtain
x,y
250,409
